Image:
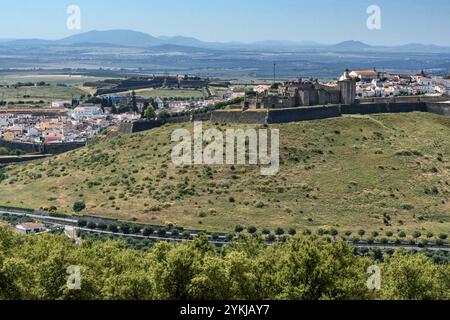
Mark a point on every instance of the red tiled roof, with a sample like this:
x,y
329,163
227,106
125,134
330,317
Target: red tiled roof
x,y
366,72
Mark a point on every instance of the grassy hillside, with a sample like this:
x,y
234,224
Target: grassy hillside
x,y
377,173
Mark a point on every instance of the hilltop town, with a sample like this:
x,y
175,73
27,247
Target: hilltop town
x,y
78,120
119,101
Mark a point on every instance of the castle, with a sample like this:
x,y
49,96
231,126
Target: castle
x,y
303,93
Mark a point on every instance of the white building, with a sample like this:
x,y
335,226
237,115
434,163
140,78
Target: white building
x,y
442,85
61,104
3,121
33,132
87,111
365,75
26,228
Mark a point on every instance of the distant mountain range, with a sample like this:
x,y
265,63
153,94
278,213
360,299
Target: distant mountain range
x,y
128,38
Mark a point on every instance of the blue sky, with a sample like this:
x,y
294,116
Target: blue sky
x,y
326,21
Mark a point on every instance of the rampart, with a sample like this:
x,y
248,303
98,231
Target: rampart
x,y
53,148
303,114
235,116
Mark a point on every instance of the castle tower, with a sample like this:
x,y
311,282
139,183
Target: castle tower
x,y
347,87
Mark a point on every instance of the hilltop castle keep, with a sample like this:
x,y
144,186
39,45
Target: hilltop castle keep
x,y
303,93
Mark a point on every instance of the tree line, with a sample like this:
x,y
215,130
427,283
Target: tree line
x,y
304,268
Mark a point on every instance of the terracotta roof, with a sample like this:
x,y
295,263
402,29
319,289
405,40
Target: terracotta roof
x,y
53,137
365,72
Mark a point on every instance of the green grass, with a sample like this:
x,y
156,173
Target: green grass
x,y
53,79
377,173
35,94
169,93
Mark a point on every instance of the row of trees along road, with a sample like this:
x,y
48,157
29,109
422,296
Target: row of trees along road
x,y
34,267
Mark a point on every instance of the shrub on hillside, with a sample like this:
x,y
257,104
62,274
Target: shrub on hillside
x,y
79,206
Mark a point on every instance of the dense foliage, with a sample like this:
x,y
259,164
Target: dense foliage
x,y
2,174
34,267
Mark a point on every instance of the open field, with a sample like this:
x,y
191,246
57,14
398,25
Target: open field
x,y
378,173
36,94
53,79
62,87
218,91
170,93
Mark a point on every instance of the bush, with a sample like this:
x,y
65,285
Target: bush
x,y
279,231
148,231
102,226
361,232
334,232
92,225
292,231
2,174
252,230
136,229
124,228
402,234
407,206
416,234
186,234
82,223
215,236
113,228
259,205
79,206
265,231
238,229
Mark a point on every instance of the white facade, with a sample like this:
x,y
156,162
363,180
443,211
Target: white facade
x,y
27,228
87,111
61,104
3,121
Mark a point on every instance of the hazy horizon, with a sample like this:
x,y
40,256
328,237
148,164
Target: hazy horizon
x,y
312,41
322,21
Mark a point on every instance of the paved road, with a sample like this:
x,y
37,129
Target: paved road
x,y
37,216
72,223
